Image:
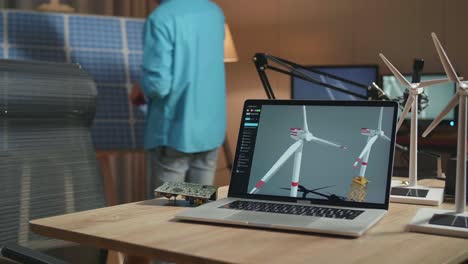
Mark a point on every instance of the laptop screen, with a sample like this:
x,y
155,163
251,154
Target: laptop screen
x,y
329,152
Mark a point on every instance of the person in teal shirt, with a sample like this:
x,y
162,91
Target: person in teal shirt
x,y
184,83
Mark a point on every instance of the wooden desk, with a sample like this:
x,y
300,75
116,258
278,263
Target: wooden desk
x,y
147,229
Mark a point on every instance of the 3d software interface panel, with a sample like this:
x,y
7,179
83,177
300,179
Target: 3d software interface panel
x,y
323,165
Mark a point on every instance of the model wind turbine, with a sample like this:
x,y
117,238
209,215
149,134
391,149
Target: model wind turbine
x,y
301,136
431,196
358,192
445,222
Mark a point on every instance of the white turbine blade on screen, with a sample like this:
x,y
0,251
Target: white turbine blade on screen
x,y
449,70
445,111
385,137
380,119
326,142
407,108
365,149
432,82
395,72
280,162
306,127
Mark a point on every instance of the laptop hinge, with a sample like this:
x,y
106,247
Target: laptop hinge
x,y
303,201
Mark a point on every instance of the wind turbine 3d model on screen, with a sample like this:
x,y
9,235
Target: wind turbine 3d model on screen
x,y
372,136
434,196
449,222
301,136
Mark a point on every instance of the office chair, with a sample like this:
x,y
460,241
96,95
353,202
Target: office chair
x,y
27,256
47,160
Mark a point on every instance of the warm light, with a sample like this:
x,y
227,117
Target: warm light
x,y
55,6
230,54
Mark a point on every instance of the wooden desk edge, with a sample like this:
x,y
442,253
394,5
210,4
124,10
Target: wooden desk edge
x,y
124,247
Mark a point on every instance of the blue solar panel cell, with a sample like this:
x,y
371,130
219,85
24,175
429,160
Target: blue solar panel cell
x,y
135,60
112,103
105,67
53,55
35,29
134,34
139,134
95,32
111,135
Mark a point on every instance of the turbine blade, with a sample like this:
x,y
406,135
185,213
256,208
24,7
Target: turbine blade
x,y
432,82
449,70
365,149
395,72
443,113
326,142
385,137
278,164
408,105
306,127
380,118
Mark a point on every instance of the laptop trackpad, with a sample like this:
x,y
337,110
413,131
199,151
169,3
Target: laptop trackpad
x,y
272,219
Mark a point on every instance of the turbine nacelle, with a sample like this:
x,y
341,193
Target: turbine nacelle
x,y
300,134
416,90
371,132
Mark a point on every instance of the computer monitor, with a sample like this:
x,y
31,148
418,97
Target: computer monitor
x,y
438,96
362,74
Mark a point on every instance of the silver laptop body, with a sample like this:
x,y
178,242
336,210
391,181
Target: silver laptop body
x,y
313,166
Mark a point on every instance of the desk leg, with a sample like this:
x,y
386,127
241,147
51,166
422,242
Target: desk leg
x,y
114,257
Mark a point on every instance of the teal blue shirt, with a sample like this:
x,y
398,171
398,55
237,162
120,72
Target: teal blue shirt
x,y
183,76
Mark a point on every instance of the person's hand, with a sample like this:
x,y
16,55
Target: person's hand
x,y
136,95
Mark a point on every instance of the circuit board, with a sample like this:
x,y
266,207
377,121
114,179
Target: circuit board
x,y
192,190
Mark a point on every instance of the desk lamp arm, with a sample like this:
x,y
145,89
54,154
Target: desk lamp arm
x,y
261,64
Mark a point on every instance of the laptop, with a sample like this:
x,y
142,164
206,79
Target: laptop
x,y
306,165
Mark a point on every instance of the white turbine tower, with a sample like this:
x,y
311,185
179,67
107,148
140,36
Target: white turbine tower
x,y
300,135
426,219
434,195
372,136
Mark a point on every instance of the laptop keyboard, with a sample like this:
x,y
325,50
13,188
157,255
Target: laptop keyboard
x,y
292,209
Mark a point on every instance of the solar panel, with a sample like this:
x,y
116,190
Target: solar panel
x,y
135,61
108,48
112,103
95,32
112,135
139,134
103,66
25,28
54,55
134,34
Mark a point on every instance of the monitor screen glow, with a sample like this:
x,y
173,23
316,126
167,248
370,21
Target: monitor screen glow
x,y
438,95
363,74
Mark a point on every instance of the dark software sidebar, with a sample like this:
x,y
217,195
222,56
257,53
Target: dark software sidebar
x,y
246,145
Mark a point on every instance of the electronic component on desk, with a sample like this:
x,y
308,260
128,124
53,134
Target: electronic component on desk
x,y
193,192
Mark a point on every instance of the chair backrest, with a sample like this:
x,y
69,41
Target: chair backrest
x,y
47,160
